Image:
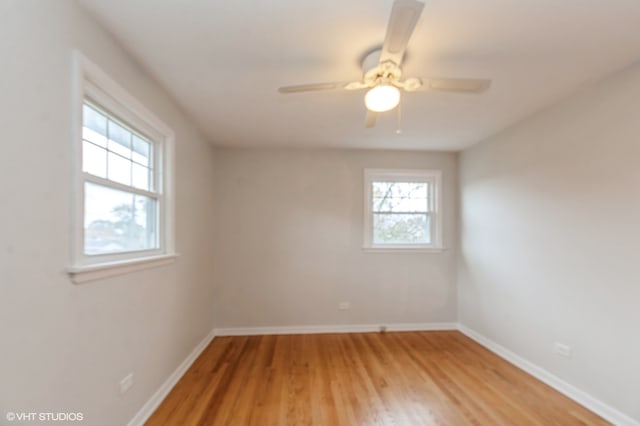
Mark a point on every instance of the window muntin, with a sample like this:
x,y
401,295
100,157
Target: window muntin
x,y
401,209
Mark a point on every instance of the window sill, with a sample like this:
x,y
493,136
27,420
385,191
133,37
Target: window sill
x,y
404,249
83,274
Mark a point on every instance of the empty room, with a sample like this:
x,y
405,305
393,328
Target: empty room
x,y
286,212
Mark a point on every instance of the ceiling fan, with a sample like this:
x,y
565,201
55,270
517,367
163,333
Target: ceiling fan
x,y
382,72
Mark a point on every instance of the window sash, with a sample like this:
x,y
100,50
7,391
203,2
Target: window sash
x,y
428,206
143,233
154,165
428,229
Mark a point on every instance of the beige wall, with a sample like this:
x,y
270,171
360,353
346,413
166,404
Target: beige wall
x,y
65,347
550,239
289,242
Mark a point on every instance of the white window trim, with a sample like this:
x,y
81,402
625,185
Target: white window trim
x,y
401,175
90,81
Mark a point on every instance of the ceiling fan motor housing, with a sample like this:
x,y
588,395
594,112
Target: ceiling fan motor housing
x,y
376,72
384,73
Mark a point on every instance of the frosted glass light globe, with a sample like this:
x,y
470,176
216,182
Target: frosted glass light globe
x,y
382,98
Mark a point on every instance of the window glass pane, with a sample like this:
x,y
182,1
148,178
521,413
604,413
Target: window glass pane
x,y
117,221
119,169
140,177
94,120
94,159
119,139
93,136
401,228
141,151
400,196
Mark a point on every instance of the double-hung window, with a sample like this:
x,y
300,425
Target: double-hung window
x,y
123,180
402,209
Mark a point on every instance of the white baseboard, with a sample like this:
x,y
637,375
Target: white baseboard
x,y
324,329
605,411
152,404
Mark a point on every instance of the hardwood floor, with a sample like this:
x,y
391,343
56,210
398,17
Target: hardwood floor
x,y
411,378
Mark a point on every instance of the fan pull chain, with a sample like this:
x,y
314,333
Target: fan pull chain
x,y
399,123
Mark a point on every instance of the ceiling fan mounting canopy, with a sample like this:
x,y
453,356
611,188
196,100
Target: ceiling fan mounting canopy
x,y
382,68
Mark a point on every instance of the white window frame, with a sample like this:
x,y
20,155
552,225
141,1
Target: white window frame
x,y
94,85
433,178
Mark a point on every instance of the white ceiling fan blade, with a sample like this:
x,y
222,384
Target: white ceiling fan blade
x,y
309,87
370,121
356,85
410,85
402,22
462,85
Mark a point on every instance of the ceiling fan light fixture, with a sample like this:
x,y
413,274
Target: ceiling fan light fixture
x,y
382,98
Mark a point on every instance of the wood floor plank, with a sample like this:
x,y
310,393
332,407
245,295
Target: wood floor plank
x,y
409,378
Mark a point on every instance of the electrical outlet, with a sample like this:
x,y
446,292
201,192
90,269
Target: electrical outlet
x,y
126,383
343,306
562,349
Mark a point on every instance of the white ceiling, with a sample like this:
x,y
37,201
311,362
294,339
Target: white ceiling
x,y
224,60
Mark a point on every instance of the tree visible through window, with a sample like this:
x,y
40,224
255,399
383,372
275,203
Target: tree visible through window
x,y
401,213
401,208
